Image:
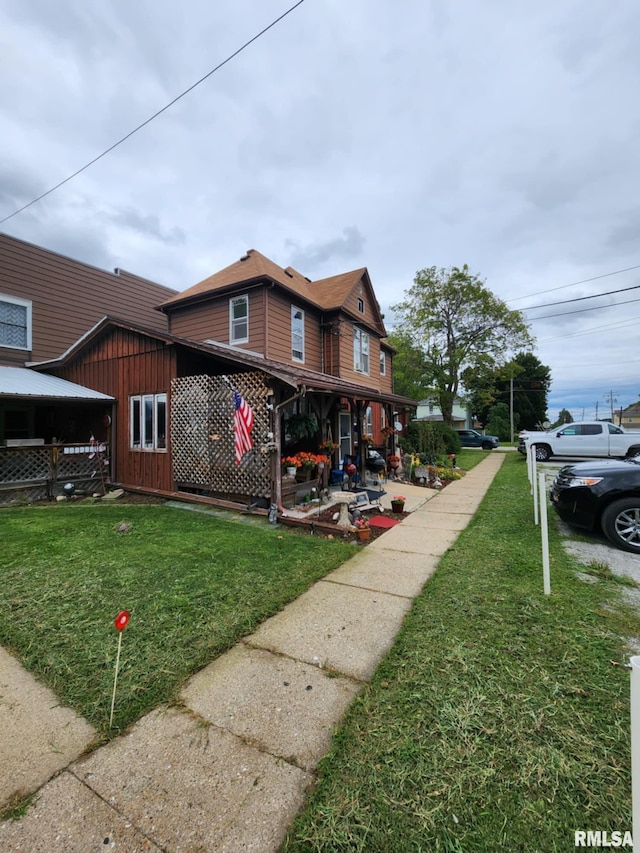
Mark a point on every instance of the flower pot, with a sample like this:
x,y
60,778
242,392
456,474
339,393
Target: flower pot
x,y
363,534
291,472
397,506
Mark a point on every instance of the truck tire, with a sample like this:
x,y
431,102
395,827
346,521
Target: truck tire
x,y
633,451
542,451
621,524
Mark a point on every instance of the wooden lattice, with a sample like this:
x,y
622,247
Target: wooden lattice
x,y
35,473
202,438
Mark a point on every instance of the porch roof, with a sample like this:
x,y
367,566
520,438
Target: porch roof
x,y
29,384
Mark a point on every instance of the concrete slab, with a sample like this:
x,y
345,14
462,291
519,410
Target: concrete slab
x,y
406,539
284,707
67,817
456,504
39,735
345,629
429,520
189,786
383,570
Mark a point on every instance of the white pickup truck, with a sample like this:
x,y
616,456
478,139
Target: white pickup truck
x,y
594,438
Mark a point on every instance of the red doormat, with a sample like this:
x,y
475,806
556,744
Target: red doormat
x,y
383,521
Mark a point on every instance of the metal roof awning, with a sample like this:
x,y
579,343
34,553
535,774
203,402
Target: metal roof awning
x,y
31,385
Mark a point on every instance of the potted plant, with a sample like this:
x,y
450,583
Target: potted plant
x,y
301,426
363,530
397,503
328,447
291,465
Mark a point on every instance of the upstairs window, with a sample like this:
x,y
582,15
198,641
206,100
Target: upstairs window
x,y
239,319
15,322
361,305
383,363
297,334
360,351
148,422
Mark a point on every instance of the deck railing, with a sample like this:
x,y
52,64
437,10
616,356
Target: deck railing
x,y
39,472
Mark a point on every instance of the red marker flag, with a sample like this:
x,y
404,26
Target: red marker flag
x,y
121,620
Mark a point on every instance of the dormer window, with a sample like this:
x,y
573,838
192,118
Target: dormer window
x,y
297,334
239,319
361,305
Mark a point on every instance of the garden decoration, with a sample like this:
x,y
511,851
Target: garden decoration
x,y
120,622
363,531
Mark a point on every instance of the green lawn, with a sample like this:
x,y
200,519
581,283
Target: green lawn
x,y
497,721
194,586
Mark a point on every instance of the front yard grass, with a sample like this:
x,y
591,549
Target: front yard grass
x,y
194,585
497,721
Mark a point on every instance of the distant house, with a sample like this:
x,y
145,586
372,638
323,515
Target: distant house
x,y
630,417
429,410
163,393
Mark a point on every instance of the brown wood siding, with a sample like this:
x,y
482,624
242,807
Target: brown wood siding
x,y
369,317
279,331
123,364
209,321
346,370
69,298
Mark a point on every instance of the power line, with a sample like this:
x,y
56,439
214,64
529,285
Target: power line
x,y
154,116
583,310
582,298
573,284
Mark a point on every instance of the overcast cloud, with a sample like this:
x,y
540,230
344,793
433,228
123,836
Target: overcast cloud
x,y
394,136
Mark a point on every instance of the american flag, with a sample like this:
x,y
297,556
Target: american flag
x,y
242,426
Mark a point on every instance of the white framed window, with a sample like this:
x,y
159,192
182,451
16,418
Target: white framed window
x,y
15,322
383,363
368,421
239,319
148,422
297,334
360,351
383,417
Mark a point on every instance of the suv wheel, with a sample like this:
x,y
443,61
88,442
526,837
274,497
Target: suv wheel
x,y
542,452
621,524
486,445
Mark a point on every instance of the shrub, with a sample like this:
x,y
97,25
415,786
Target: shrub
x,y
431,440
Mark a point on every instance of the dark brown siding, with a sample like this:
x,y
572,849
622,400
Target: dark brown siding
x,y
69,298
122,364
209,321
279,324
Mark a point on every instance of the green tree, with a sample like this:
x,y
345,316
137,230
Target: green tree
x,y
411,370
458,323
499,422
564,417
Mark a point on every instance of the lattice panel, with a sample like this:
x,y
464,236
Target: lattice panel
x,y
24,464
202,438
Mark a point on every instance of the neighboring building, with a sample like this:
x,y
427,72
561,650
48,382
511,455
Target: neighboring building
x,y
629,418
429,410
286,344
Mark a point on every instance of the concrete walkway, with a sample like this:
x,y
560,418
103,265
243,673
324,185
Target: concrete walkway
x,y
229,768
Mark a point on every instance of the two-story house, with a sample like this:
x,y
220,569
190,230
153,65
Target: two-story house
x,y
283,343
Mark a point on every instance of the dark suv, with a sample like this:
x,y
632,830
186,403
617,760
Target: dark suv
x,y
473,438
602,493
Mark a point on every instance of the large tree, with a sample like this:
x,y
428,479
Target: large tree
x,y
458,323
412,375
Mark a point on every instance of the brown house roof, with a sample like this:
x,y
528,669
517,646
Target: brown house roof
x,y
327,293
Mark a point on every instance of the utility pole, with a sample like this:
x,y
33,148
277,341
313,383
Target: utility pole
x,y
511,408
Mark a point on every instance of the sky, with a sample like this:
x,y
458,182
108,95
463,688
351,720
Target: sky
x,y
353,133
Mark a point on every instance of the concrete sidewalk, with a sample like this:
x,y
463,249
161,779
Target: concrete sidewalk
x,y
229,768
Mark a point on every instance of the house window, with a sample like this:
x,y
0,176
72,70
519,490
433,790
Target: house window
x,y
383,417
148,422
383,363
368,421
360,351
15,322
297,334
239,319
361,305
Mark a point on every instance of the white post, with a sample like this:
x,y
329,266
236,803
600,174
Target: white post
x,y
534,483
635,745
544,530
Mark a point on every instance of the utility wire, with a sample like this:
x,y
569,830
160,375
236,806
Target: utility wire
x,y
583,310
582,298
154,116
573,284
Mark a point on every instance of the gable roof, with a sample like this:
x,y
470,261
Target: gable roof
x,y
22,382
326,294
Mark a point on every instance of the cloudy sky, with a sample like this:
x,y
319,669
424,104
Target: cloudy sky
x,y
392,135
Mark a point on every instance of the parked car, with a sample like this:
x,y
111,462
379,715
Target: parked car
x,y
587,438
474,438
604,494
